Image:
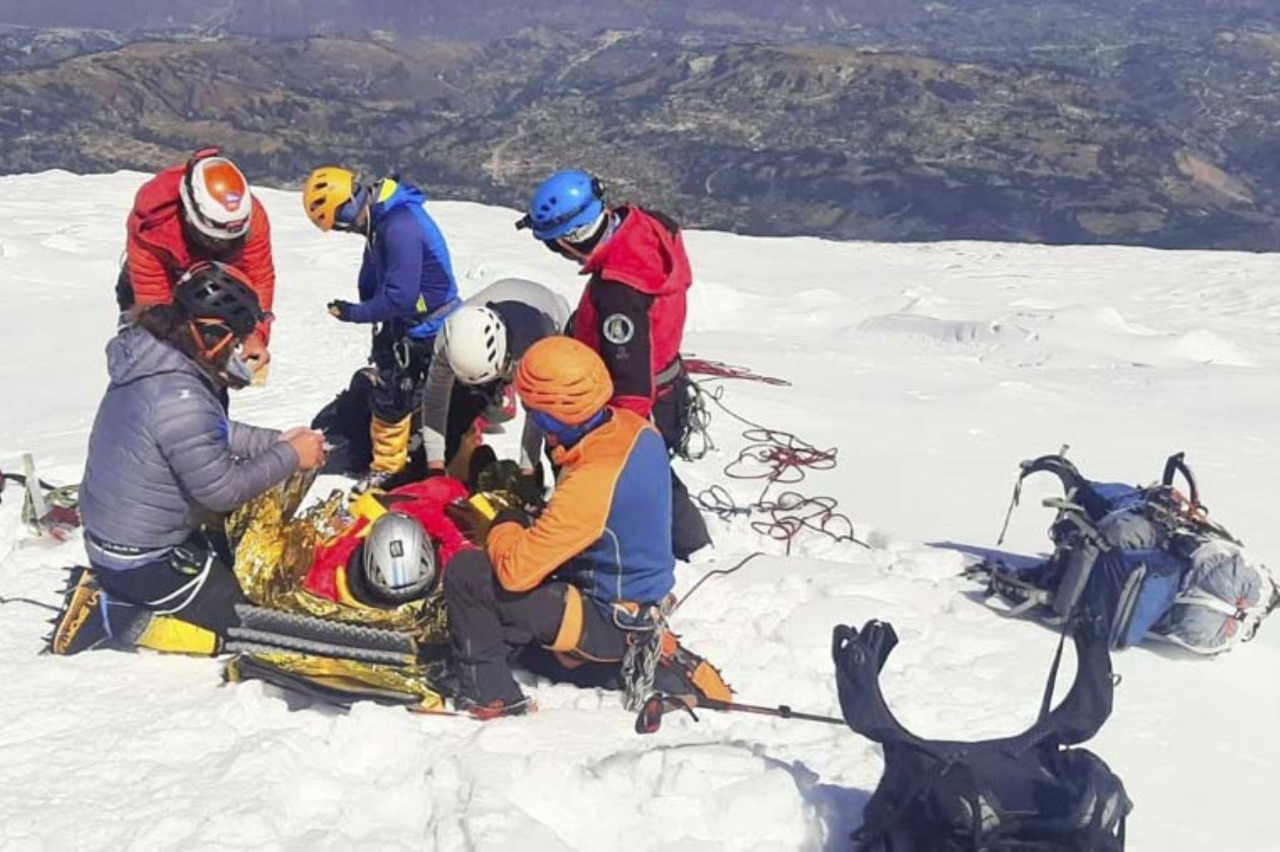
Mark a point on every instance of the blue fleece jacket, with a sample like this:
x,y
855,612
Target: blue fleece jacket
x,y
406,274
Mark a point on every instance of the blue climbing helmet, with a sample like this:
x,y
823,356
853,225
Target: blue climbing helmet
x,y
565,202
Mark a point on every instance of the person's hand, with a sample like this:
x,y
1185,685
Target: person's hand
x,y
513,515
340,310
308,444
254,351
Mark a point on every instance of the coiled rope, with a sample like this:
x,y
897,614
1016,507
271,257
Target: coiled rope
x,y
774,457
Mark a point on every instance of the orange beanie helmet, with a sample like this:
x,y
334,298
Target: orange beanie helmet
x,y
564,378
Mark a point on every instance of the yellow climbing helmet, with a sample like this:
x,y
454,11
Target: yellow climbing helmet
x,y
326,191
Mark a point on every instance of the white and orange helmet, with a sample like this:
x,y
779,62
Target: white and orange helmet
x,y
216,197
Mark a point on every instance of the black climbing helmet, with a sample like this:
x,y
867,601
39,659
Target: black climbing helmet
x,y
220,292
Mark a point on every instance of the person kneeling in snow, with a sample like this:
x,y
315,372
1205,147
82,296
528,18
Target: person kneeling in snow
x,y
589,575
164,460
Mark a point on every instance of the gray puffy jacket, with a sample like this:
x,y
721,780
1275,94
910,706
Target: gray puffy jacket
x,y
163,454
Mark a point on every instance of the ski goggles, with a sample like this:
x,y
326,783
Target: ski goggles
x,y
346,216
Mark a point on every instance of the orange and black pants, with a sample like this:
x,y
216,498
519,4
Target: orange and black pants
x,y
490,625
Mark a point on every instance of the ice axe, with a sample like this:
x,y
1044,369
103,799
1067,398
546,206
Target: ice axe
x,y
649,719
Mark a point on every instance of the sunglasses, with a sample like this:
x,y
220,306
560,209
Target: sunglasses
x,y
345,217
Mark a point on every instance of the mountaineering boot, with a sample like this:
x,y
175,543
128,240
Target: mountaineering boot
x,y
683,674
170,635
390,452
494,709
374,480
81,624
91,618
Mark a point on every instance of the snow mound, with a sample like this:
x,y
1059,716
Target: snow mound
x,y
1072,336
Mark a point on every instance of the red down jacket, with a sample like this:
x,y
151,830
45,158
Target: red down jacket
x,y
158,252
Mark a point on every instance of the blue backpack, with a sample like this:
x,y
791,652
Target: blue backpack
x,y
1148,559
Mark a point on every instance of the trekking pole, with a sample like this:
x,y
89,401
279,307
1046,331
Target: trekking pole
x,y
655,706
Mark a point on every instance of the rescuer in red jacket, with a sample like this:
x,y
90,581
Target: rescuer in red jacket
x,y
632,310
200,211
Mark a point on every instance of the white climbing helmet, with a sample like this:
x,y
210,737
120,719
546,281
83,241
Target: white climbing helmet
x,y
475,343
215,197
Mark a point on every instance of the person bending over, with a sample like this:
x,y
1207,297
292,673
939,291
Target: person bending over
x,y
632,310
475,363
406,288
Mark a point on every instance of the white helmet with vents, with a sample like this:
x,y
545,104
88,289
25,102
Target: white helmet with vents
x,y
216,198
474,341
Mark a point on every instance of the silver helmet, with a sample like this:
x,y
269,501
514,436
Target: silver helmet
x,y
399,559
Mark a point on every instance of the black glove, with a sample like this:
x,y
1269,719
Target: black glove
x,y
341,310
513,514
528,488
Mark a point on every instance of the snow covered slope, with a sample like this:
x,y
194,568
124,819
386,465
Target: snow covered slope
x,y
934,369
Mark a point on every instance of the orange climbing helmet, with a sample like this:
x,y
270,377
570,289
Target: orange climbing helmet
x,y
563,378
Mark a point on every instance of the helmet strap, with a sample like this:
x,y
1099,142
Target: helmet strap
x,y
566,249
198,328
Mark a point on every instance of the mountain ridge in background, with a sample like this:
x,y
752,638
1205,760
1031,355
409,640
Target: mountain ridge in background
x,y
1067,122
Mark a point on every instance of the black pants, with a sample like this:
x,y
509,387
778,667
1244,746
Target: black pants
x,y
490,625
402,364
194,583
689,532
345,422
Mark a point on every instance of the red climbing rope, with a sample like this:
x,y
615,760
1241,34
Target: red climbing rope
x,y
777,457
721,370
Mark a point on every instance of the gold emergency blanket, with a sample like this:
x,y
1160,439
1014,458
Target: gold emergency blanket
x,y
349,677
274,547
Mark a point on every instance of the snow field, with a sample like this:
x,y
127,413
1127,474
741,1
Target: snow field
x,y
933,368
